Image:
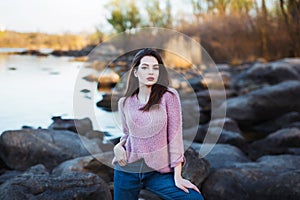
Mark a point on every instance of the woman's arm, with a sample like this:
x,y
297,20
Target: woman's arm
x,y
175,140
119,150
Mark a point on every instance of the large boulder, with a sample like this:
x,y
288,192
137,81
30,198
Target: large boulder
x,y
21,149
37,183
196,169
291,119
226,129
81,126
284,141
99,164
262,74
270,178
264,104
222,156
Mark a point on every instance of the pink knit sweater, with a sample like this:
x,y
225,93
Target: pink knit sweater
x,y
155,135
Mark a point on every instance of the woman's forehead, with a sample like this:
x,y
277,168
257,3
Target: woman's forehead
x,y
149,60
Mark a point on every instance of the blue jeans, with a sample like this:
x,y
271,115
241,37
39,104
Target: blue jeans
x,y
130,179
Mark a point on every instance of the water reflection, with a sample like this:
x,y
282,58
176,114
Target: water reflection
x,y
40,88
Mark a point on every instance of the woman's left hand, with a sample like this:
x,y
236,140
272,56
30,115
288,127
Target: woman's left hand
x,y
184,184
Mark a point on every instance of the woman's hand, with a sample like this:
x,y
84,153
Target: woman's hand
x,y
184,184
120,154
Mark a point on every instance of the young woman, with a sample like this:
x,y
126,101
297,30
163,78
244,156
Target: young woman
x,y
150,154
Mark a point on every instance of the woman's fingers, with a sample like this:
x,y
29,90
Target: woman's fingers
x,y
192,186
183,188
122,162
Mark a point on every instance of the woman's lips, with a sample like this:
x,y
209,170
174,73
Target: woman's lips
x,y
150,79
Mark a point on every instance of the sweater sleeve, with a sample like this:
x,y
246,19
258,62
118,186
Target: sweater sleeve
x,y
123,119
175,141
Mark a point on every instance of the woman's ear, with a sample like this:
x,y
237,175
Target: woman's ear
x,y
134,72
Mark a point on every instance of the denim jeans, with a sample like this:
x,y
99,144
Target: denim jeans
x,y
130,179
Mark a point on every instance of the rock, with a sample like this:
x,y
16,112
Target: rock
x,y
264,104
283,141
36,183
287,120
3,166
21,149
76,53
8,175
106,102
32,52
222,156
271,177
99,164
195,169
196,84
226,123
81,126
219,96
190,113
262,74
226,129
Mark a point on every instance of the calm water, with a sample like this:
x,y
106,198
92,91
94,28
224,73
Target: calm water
x,y
33,89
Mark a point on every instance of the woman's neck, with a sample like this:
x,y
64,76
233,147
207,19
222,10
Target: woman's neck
x,y
144,93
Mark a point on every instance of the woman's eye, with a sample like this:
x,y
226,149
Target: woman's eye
x,y
156,68
144,67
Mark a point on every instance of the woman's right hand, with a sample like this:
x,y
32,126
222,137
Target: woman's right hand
x,y
120,154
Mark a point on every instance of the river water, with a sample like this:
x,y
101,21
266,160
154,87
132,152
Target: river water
x,y
34,89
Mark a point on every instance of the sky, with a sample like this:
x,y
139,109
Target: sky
x,y
56,16
59,16
62,16
53,16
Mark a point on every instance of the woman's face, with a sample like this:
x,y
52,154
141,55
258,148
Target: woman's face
x,y
148,71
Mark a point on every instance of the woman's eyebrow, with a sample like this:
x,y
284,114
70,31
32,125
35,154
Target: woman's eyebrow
x,y
148,64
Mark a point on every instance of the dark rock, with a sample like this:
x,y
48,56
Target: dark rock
x,y
8,175
264,104
21,149
32,52
36,183
271,177
287,120
196,83
262,74
279,142
190,113
226,124
99,164
221,131
95,134
222,156
81,126
76,53
3,166
106,103
196,169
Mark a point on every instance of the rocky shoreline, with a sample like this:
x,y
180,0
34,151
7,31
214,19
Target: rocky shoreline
x,y
256,157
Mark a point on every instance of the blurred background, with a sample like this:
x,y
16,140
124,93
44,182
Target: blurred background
x,y
44,44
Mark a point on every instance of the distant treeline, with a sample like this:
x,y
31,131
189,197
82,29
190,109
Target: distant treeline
x,y
42,40
230,30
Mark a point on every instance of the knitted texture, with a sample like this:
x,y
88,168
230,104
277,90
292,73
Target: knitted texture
x,y
154,135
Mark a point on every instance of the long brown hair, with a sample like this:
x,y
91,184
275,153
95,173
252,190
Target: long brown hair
x,y
158,89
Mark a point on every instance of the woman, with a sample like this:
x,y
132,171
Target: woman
x,y
150,154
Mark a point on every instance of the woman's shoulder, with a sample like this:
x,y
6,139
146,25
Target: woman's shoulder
x,y
171,93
